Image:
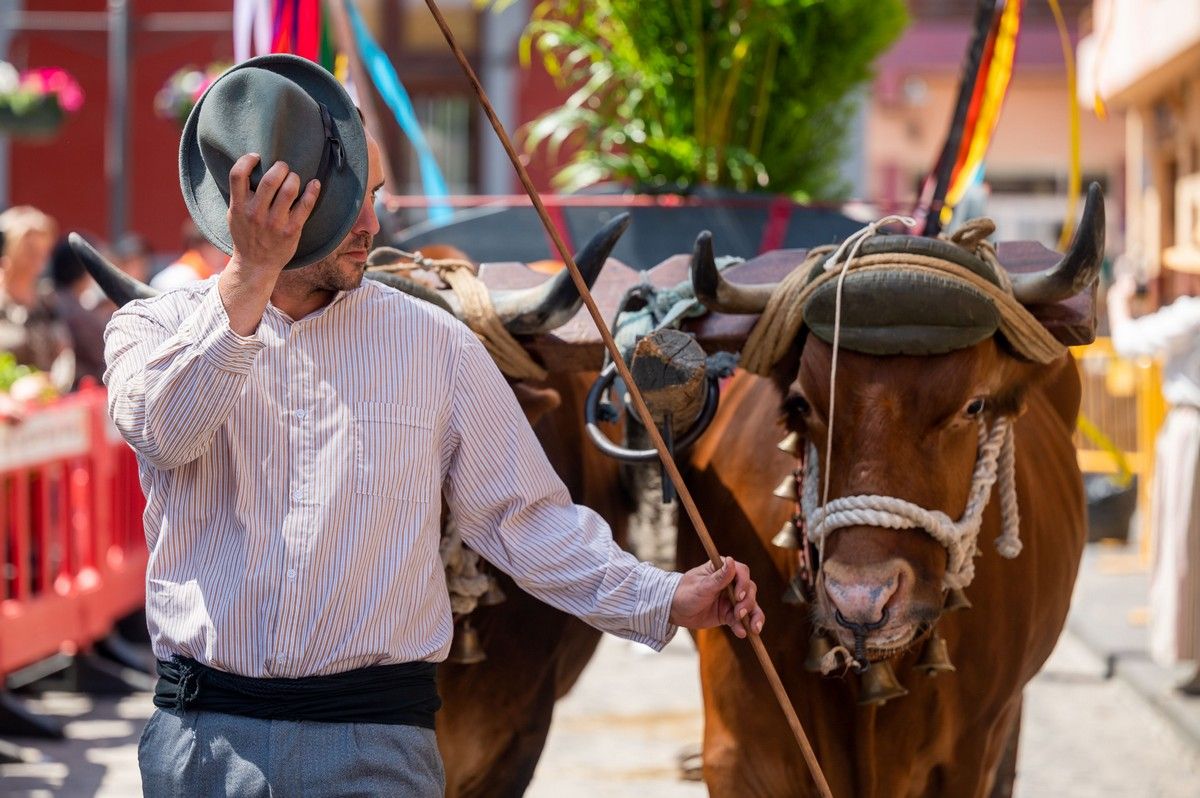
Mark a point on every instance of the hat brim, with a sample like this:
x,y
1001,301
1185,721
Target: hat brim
x,y
342,194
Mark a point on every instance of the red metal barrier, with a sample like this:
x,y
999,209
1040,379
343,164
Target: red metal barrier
x,y
72,550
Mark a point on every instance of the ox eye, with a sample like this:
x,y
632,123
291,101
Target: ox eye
x,y
797,406
975,407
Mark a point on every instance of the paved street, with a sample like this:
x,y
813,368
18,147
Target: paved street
x,y
618,735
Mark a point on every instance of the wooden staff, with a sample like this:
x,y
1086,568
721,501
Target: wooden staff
x,y
685,497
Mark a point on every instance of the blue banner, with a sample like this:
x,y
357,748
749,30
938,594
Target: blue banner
x,y
387,82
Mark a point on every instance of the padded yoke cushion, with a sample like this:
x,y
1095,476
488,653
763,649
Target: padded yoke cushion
x,y
897,313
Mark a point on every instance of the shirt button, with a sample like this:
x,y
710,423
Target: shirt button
x,y
291,573
300,414
297,494
281,658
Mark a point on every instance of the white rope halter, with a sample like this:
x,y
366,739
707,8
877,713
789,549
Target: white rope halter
x,y
996,457
995,460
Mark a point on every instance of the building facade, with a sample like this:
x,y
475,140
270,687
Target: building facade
x,y
1142,59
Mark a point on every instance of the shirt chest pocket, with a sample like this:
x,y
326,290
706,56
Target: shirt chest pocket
x,y
395,452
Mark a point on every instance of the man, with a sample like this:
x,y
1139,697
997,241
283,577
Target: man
x,y
1173,334
30,327
296,430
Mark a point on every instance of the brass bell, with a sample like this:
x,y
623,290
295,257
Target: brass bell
x,y
935,658
466,649
790,444
794,594
788,537
818,647
787,489
494,594
879,685
956,599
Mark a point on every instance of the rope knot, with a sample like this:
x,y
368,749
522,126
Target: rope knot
x,y
973,233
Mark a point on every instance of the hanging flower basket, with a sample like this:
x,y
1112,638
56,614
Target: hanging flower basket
x,y
37,117
34,104
183,89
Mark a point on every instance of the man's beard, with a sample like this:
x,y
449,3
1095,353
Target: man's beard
x,y
328,274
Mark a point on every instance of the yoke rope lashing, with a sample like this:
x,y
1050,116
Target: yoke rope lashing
x,y
477,310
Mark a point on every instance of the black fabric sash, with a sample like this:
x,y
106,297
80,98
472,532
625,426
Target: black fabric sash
x,y
398,695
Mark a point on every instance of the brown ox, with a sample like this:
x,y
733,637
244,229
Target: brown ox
x,y
904,426
496,713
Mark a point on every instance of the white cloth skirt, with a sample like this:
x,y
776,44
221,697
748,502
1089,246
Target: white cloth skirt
x,y
1175,583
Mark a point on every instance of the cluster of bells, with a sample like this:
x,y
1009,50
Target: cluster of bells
x,y
465,648
879,682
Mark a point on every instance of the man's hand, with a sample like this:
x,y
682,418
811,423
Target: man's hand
x,y
701,601
265,225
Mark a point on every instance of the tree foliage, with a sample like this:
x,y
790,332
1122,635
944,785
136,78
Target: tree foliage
x,y
674,94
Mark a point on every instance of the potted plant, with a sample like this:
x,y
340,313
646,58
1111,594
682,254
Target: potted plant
x,y
739,95
35,103
183,90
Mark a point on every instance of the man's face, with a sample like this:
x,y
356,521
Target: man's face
x,y
343,269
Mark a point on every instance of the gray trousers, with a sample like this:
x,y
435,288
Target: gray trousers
x,y
212,754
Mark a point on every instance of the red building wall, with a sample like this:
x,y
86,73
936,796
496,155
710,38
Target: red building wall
x,y
65,177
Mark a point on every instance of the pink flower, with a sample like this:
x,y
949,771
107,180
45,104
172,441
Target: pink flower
x,y
52,80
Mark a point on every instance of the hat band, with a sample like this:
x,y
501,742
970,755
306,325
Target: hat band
x,y
334,155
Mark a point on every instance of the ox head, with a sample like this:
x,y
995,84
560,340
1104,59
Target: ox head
x,y
922,366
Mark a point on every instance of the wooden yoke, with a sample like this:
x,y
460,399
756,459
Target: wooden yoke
x,y
578,346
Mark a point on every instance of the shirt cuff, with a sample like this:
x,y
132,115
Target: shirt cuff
x,y
209,327
651,624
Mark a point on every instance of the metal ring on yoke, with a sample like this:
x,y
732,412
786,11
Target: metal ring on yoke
x,y
591,410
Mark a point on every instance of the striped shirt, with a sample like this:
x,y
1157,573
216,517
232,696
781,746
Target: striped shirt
x,y
294,481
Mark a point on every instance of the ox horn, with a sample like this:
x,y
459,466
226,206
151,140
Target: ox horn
x,y
718,294
411,288
123,289
935,658
1078,268
116,284
536,310
879,685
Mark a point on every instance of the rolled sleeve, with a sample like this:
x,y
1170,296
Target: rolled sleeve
x,y
651,622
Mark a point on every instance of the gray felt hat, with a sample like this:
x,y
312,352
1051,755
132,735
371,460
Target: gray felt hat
x,y
285,108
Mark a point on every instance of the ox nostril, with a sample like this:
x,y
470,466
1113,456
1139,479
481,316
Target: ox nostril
x,y
861,594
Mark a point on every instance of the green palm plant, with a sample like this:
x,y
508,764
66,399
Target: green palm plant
x,y
675,94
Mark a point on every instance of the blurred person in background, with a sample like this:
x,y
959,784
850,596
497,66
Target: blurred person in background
x,y
1172,333
200,260
82,306
132,255
30,327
